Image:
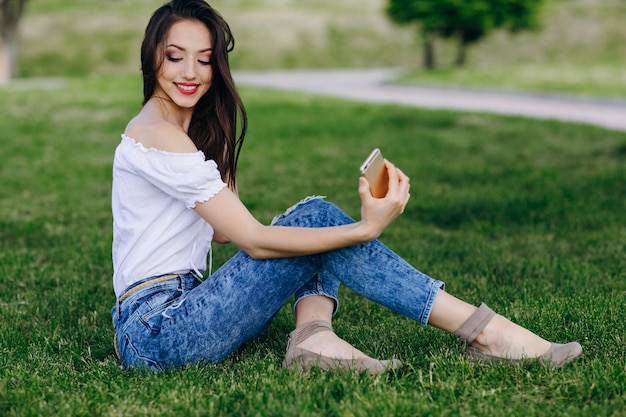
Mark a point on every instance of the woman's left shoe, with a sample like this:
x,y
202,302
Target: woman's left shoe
x,y
557,355
305,360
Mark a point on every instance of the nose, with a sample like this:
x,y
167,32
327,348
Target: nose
x,y
189,71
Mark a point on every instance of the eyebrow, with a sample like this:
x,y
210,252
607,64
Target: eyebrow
x,y
182,49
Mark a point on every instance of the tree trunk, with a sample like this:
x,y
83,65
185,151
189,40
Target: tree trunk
x,y
429,50
10,14
461,52
8,59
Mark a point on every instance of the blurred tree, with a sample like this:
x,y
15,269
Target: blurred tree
x,y
465,21
10,14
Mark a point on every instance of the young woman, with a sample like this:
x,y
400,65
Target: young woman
x,y
174,191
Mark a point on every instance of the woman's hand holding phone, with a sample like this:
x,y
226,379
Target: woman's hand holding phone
x,y
378,212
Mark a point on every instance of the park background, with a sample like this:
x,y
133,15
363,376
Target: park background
x,y
525,215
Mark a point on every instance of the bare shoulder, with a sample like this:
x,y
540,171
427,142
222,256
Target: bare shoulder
x,y
159,134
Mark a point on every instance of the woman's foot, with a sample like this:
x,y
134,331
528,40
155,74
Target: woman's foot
x,y
492,337
327,343
314,344
504,338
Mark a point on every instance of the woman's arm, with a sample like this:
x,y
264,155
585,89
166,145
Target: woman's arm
x,y
232,221
217,236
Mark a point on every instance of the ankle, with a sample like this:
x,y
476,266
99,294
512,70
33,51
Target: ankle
x,y
326,342
504,338
308,329
488,340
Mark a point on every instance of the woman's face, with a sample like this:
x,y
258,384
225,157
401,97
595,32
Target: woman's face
x,y
186,73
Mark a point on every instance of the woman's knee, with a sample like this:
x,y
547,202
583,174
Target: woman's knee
x,y
313,212
332,214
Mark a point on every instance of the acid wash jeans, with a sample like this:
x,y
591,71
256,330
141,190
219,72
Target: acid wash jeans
x,y
183,320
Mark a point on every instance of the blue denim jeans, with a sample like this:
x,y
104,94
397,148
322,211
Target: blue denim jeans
x,y
183,320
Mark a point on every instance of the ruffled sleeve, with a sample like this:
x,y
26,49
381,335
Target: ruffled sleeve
x,y
187,177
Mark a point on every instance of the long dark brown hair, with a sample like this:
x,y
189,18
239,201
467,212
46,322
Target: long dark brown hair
x,y
214,123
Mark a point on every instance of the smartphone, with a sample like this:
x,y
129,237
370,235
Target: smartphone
x,y
373,169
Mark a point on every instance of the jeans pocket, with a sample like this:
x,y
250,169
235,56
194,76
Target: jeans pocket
x,y
150,314
132,356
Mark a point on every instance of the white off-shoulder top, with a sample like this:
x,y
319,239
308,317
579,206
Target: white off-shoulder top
x,y
155,229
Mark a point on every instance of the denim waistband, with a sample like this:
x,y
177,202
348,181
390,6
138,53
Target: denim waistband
x,y
144,283
161,282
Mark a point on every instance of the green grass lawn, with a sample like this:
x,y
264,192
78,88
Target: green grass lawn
x,y
525,215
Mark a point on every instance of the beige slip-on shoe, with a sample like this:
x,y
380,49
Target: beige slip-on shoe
x,y
305,360
557,355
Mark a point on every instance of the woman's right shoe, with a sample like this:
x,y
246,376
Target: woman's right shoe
x,y
557,355
305,360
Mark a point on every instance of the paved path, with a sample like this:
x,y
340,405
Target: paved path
x,y
372,86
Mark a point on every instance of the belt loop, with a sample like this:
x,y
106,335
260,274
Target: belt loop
x,y
119,310
198,275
